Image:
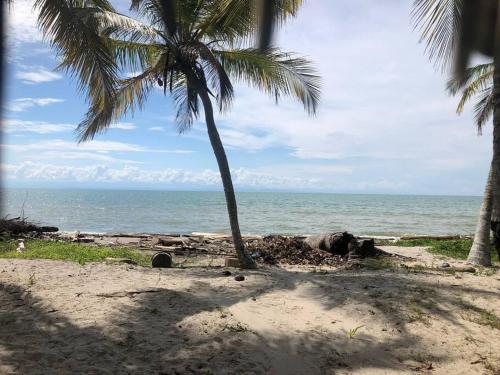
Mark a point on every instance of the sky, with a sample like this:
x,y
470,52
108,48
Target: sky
x,y
385,123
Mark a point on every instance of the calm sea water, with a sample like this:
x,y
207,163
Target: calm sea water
x,y
260,213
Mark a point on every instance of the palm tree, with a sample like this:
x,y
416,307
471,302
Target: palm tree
x,y
191,48
478,82
440,22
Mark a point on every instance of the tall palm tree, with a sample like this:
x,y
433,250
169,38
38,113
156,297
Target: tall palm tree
x,y
440,22
477,83
190,48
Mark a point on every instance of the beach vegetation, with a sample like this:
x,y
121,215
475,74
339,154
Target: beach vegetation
x,y
458,249
31,279
353,331
192,50
73,252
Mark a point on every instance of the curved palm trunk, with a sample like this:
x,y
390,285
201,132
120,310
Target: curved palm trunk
x,y
480,251
245,260
495,217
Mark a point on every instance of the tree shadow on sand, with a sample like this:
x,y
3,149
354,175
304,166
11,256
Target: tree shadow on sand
x,y
156,333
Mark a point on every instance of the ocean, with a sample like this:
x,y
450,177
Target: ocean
x,y
260,213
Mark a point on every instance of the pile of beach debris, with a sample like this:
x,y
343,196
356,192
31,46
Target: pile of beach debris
x,y
276,249
17,226
330,249
325,249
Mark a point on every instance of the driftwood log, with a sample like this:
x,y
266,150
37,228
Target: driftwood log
x,y
343,243
335,243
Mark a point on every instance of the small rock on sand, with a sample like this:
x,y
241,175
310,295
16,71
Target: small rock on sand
x,y
239,278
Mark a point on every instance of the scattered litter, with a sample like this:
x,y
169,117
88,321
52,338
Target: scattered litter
x,y
20,246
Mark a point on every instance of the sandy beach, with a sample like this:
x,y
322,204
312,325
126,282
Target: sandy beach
x,y
59,317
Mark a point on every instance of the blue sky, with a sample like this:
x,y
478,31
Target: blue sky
x,y
385,123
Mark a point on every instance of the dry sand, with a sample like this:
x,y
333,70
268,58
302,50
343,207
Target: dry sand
x,y
60,318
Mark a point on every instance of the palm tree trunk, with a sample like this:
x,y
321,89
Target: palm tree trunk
x,y
495,217
479,253
245,260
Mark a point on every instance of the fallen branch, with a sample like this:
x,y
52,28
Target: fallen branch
x,y
129,293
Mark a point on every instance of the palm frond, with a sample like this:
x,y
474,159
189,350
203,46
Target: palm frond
x,y
484,107
237,20
277,73
227,20
439,22
220,81
476,79
186,99
133,56
123,27
132,93
481,72
73,32
161,13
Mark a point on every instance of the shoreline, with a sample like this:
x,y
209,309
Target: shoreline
x,y
221,235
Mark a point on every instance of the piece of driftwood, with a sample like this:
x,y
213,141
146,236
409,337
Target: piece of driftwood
x,y
335,243
171,241
129,293
367,247
438,238
458,269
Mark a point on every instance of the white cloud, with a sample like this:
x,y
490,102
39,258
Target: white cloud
x,y
21,22
40,127
73,155
91,146
102,173
22,104
157,128
124,126
37,75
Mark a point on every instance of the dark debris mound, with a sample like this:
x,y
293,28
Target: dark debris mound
x,y
17,226
275,249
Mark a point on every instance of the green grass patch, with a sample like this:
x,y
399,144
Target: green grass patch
x,y
74,252
458,249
